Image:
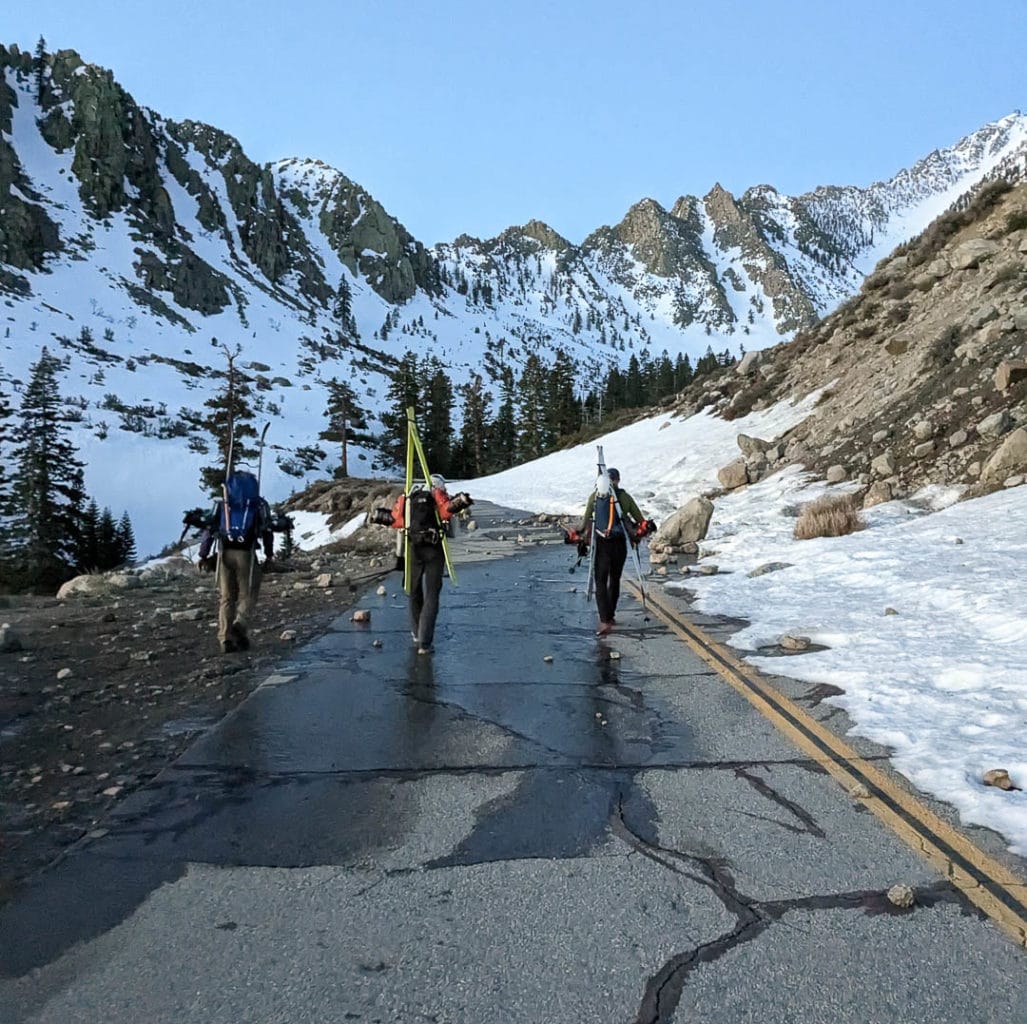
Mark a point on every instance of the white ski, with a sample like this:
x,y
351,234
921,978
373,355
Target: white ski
x,y
604,487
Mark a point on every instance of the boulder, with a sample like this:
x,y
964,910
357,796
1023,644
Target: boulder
x,y
687,525
752,445
748,363
1009,373
83,586
883,465
996,424
733,475
971,253
1008,459
877,493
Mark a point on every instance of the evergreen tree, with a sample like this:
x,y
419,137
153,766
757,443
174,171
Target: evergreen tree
x,y
5,458
344,308
475,430
46,489
502,446
403,392
634,387
437,419
707,363
125,538
88,550
533,431
682,372
613,394
230,422
39,65
563,413
662,378
107,549
347,422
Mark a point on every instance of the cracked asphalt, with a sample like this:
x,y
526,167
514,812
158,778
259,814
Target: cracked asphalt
x,y
482,835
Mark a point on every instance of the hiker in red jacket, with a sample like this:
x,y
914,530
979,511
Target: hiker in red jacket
x,y
426,524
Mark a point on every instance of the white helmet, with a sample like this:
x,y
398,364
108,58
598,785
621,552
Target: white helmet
x,y
439,481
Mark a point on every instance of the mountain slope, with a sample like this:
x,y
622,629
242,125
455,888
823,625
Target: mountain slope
x,y
136,247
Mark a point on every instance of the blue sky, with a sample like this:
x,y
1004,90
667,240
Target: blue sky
x,y
470,117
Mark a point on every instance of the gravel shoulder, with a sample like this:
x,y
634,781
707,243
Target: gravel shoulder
x,y
108,688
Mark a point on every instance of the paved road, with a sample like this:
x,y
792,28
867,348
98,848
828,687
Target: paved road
x,y
482,835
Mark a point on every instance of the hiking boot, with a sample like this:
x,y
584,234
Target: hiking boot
x,y
604,628
238,635
228,646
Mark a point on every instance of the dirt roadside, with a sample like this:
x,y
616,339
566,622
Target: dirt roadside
x,y
106,689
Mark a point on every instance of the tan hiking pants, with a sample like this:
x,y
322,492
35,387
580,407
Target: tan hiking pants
x,y
238,586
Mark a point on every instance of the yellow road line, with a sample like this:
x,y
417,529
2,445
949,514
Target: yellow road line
x,y
988,884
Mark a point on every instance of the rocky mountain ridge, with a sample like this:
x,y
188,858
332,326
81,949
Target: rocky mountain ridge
x,y
922,375
133,245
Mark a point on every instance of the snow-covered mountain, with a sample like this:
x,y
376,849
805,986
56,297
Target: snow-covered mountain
x,y
135,247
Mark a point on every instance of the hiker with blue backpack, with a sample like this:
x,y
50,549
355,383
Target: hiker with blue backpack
x,y
238,525
612,519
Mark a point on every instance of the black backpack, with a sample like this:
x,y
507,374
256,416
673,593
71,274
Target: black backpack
x,y
422,517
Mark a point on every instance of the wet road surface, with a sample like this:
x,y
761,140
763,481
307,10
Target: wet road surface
x,y
482,835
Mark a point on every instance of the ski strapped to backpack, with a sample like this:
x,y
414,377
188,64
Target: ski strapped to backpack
x,y
264,510
415,451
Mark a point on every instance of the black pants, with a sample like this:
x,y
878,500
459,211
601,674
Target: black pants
x,y
609,564
425,586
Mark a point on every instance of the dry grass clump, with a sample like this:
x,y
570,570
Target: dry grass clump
x,y
833,515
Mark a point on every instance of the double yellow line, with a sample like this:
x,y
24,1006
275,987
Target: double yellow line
x,y
985,882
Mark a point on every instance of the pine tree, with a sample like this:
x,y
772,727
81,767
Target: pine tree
x,y
347,422
474,432
437,419
634,388
534,434
344,308
563,412
682,372
5,459
502,446
124,536
107,549
229,422
88,550
614,393
46,489
707,363
39,64
403,392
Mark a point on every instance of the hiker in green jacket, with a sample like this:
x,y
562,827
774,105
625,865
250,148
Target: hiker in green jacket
x,y
611,543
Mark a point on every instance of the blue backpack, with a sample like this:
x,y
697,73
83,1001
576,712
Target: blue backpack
x,y
238,518
605,518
